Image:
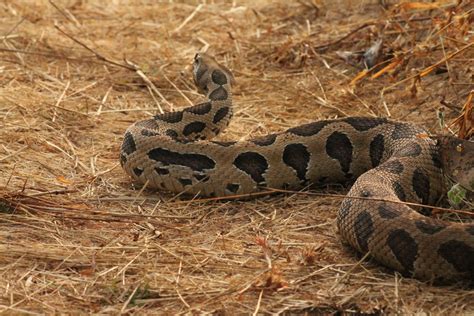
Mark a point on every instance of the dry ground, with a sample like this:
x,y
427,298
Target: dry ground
x,y
78,237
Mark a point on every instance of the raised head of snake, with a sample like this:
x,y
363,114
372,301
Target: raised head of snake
x,y
203,72
386,160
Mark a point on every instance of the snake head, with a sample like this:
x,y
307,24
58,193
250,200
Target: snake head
x,y
203,66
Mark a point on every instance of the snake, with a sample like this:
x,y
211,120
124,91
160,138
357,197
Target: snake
x,y
394,169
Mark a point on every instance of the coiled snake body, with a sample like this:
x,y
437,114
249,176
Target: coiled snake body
x,y
390,160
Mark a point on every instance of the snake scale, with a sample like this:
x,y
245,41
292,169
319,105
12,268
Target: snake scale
x,y
388,160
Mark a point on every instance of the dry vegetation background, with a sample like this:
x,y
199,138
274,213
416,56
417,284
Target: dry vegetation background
x,y
78,237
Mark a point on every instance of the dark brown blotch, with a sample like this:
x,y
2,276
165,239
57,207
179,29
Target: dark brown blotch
x,y
376,149
195,162
193,127
410,150
219,94
460,255
421,185
171,133
220,114
308,129
200,109
429,227
223,144
218,77
404,248
297,157
128,145
233,187
264,140
387,212
161,171
393,166
399,192
364,123
185,182
364,228
339,147
170,117
137,171
253,164
436,158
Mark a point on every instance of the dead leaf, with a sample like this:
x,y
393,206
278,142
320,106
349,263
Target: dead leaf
x,y
364,73
395,62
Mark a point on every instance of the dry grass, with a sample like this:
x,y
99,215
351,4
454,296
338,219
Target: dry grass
x,y
78,237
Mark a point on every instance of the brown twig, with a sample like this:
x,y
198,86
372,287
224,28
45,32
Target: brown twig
x,y
327,45
96,54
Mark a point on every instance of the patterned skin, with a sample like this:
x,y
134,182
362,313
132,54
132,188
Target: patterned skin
x,y
388,160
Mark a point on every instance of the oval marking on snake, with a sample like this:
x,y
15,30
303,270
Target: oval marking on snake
x,y
233,187
220,114
170,117
404,248
364,124
128,145
393,166
309,129
137,171
223,144
429,227
253,164
193,127
200,109
436,158
185,182
339,147
195,162
387,212
264,140
459,254
421,185
218,77
398,189
218,94
363,228
410,150
171,133
297,157
161,171
376,149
